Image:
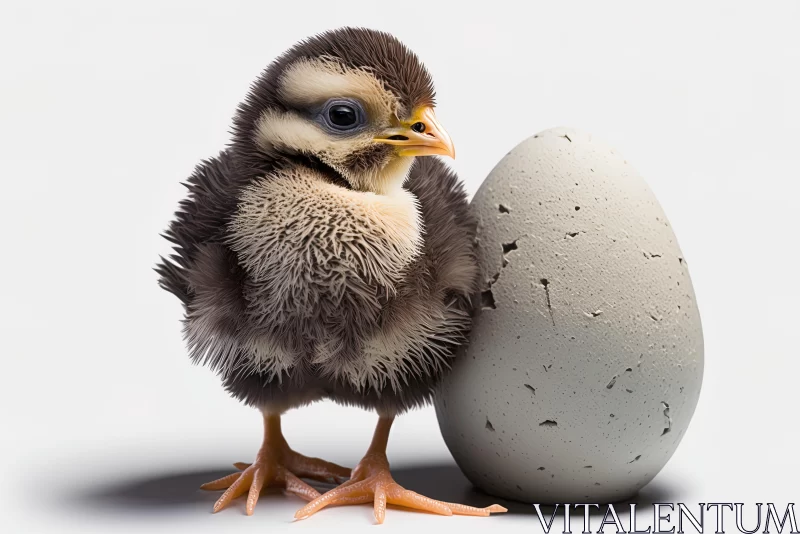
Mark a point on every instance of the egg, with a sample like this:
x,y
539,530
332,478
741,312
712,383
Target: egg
x,y
585,361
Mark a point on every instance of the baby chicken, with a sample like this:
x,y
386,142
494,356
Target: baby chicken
x,y
320,257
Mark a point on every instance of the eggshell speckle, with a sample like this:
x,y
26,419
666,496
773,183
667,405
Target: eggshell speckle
x,y
586,357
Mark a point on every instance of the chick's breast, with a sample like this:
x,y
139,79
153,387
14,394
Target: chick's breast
x,y
339,309
427,317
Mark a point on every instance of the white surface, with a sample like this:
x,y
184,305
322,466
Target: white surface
x,y
105,108
584,366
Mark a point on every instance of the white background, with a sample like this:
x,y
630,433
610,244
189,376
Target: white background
x,y
106,106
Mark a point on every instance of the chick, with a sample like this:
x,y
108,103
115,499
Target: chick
x,y
321,257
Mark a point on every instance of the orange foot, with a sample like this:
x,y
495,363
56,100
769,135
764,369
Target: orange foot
x,y
371,481
276,465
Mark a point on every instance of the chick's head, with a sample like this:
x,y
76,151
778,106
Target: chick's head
x,y
356,101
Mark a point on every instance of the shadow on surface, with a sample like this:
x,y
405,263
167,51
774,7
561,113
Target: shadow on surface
x,y
165,492
442,481
162,491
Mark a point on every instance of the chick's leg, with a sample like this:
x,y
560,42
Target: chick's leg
x,y
371,481
276,465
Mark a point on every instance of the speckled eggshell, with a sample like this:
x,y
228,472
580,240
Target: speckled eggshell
x,y
586,357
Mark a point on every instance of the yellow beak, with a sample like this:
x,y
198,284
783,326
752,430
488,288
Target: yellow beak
x,y
422,135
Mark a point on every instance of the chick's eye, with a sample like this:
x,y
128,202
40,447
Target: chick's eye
x,y
343,116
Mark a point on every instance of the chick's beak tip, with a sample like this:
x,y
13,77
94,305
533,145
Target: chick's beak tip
x,y
422,135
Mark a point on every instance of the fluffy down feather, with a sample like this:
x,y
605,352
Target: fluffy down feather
x,y
381,344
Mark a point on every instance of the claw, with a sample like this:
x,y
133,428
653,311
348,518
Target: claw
x,y
221,483
297,487
380,505
267,471
236,489
255,490
372,482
